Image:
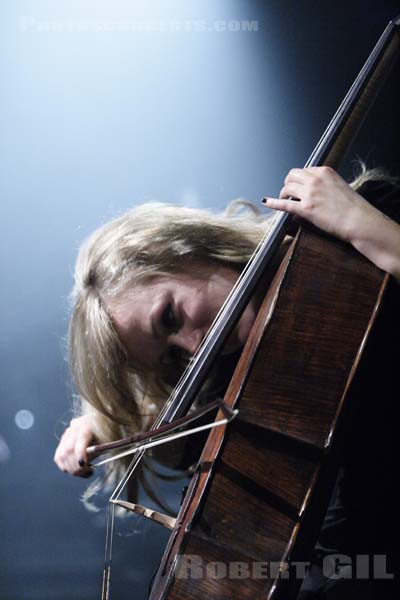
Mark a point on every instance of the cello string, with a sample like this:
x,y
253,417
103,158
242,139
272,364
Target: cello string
x,y
314,159
277,220
219,325
105,592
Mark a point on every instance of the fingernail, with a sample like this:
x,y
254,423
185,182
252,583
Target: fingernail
x,y
81,462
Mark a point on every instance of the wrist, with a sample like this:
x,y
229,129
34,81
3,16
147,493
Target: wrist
x,y
377,237
357,227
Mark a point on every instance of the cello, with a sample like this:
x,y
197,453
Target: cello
x,y
293,387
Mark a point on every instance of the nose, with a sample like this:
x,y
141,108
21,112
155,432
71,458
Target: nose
x,y
187,340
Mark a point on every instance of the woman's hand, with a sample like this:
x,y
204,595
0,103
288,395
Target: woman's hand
x,y
70,455
327,201
324,199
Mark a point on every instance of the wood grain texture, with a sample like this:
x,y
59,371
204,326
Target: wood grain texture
x,y
261,490
324,313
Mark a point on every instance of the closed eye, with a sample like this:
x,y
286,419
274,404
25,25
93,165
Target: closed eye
x,y
169,320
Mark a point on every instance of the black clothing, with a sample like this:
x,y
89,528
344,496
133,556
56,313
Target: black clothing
x,y
361,520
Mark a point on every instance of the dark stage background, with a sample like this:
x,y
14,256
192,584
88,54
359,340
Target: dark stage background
x,y
94,119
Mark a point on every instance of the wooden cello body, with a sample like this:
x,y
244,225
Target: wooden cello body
x,y
256,502
259,495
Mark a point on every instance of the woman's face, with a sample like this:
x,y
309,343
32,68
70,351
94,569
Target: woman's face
x,y
163,320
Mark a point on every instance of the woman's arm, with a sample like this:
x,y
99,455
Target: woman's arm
x,y
328,202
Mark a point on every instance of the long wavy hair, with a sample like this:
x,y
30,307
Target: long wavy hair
x,y
147,241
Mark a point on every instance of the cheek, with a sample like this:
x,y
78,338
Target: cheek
x,y
201,309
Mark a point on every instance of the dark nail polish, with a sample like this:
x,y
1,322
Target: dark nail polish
x,y
82,463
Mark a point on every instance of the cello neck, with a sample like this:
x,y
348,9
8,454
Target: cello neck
x,y
329,151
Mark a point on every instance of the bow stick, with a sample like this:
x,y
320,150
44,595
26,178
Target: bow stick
x,y
162,434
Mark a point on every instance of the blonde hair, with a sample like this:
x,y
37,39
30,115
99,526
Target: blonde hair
x,y
363,175
147,241
150,240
